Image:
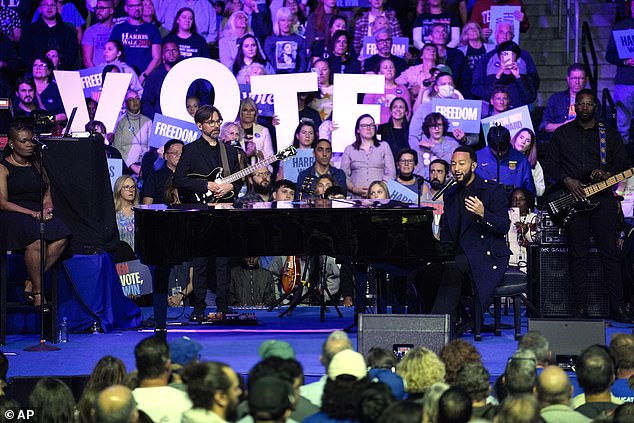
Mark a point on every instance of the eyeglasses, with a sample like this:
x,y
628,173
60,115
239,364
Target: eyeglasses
x,y
366,125
128,187
135,6
262,174
103,7
213,122
40,66
405,161
386,40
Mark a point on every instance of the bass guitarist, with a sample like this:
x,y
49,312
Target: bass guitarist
x,y
581,152
201,157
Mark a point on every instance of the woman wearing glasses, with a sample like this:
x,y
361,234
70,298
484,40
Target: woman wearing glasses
x,y
46,90
126,196
21,211
367,159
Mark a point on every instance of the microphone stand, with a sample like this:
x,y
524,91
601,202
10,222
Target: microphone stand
x,y
42,346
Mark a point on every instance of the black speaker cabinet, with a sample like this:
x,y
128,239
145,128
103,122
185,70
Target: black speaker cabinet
x,y
554,290
569,337
390,330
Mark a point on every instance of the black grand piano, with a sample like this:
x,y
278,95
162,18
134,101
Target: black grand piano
x,y
367,230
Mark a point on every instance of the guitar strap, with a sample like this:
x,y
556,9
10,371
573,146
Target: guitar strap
x,y
602,145
226,170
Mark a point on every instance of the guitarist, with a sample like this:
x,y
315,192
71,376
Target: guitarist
x,y
201,157
576,159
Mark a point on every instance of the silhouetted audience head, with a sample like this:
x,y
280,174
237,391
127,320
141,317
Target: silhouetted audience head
x,y
109,370
595,369
454,354
430,401
373,401
420,368
622,350
211,384
86,404
336,341
402,412
473,377
52,401
624,413
536,342
454,406
518,409
341,396
115,404
152,358
520,373
553,387
381,358
271,399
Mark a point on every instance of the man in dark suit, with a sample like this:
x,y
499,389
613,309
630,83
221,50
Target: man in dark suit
x,y
200,158
474,222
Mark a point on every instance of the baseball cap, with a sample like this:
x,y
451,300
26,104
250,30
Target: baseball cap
x,y
274,348
184,350
347,362
269,397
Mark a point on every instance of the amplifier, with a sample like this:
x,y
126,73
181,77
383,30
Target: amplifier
x,y
552,236
545,222
554,292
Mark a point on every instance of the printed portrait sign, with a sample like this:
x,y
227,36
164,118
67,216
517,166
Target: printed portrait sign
x,y
624,40
463,114
165,128
505,13
513,120
286,54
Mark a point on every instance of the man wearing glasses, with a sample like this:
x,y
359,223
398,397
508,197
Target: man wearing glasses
x,y
383,39
200,158
96,36
561,105
575,158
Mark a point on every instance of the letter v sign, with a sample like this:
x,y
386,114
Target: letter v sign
x,y
112,95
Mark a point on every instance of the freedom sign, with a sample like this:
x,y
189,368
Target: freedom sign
x,y
463,114
624,40
165,128
400,46
513,120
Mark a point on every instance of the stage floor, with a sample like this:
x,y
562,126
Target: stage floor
x,y
234,345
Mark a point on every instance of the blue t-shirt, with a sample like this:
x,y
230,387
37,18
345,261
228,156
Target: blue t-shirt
x,y
137,43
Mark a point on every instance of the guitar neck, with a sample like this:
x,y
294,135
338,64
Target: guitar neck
x,y
248,170
612,180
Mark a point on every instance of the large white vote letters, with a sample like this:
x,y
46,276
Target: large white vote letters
x,y
346,110
181,76
110,101
284,88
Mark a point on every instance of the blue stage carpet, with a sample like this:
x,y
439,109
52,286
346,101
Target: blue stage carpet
x,y
234,345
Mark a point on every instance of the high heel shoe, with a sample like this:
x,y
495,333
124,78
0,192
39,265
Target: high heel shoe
x,y
29,298
42,299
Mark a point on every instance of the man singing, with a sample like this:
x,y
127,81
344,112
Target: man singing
x,y
475,222
200,158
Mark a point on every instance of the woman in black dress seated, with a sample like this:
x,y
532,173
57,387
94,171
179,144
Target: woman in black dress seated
x,y
20,210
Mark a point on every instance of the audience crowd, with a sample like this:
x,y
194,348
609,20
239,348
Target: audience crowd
x,y
174,383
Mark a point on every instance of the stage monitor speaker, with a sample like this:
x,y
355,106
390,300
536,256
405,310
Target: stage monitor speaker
x,y
569,337
390,330
555,291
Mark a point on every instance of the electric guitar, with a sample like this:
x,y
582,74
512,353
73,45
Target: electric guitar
x,y
291,273
566,205
216,175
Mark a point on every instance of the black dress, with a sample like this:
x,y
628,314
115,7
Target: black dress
x,y
17,230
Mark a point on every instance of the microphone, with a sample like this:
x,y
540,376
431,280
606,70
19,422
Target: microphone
x,y
451,182
38,143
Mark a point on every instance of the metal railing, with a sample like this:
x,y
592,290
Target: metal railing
x,y
570,11
608,108
587,45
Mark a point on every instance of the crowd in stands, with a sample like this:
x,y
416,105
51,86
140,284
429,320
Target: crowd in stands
x,y
174,383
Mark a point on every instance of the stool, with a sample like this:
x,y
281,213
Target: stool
x,y
513,285
5,305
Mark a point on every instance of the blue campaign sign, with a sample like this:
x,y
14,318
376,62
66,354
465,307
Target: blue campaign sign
x,y
263,101
400,46
165,128
91,81
402,193
115,169
624,40
513,120
353,3
463,114
293,165
135,278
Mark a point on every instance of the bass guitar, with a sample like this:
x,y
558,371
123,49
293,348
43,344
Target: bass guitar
x,y
216,175
566,205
